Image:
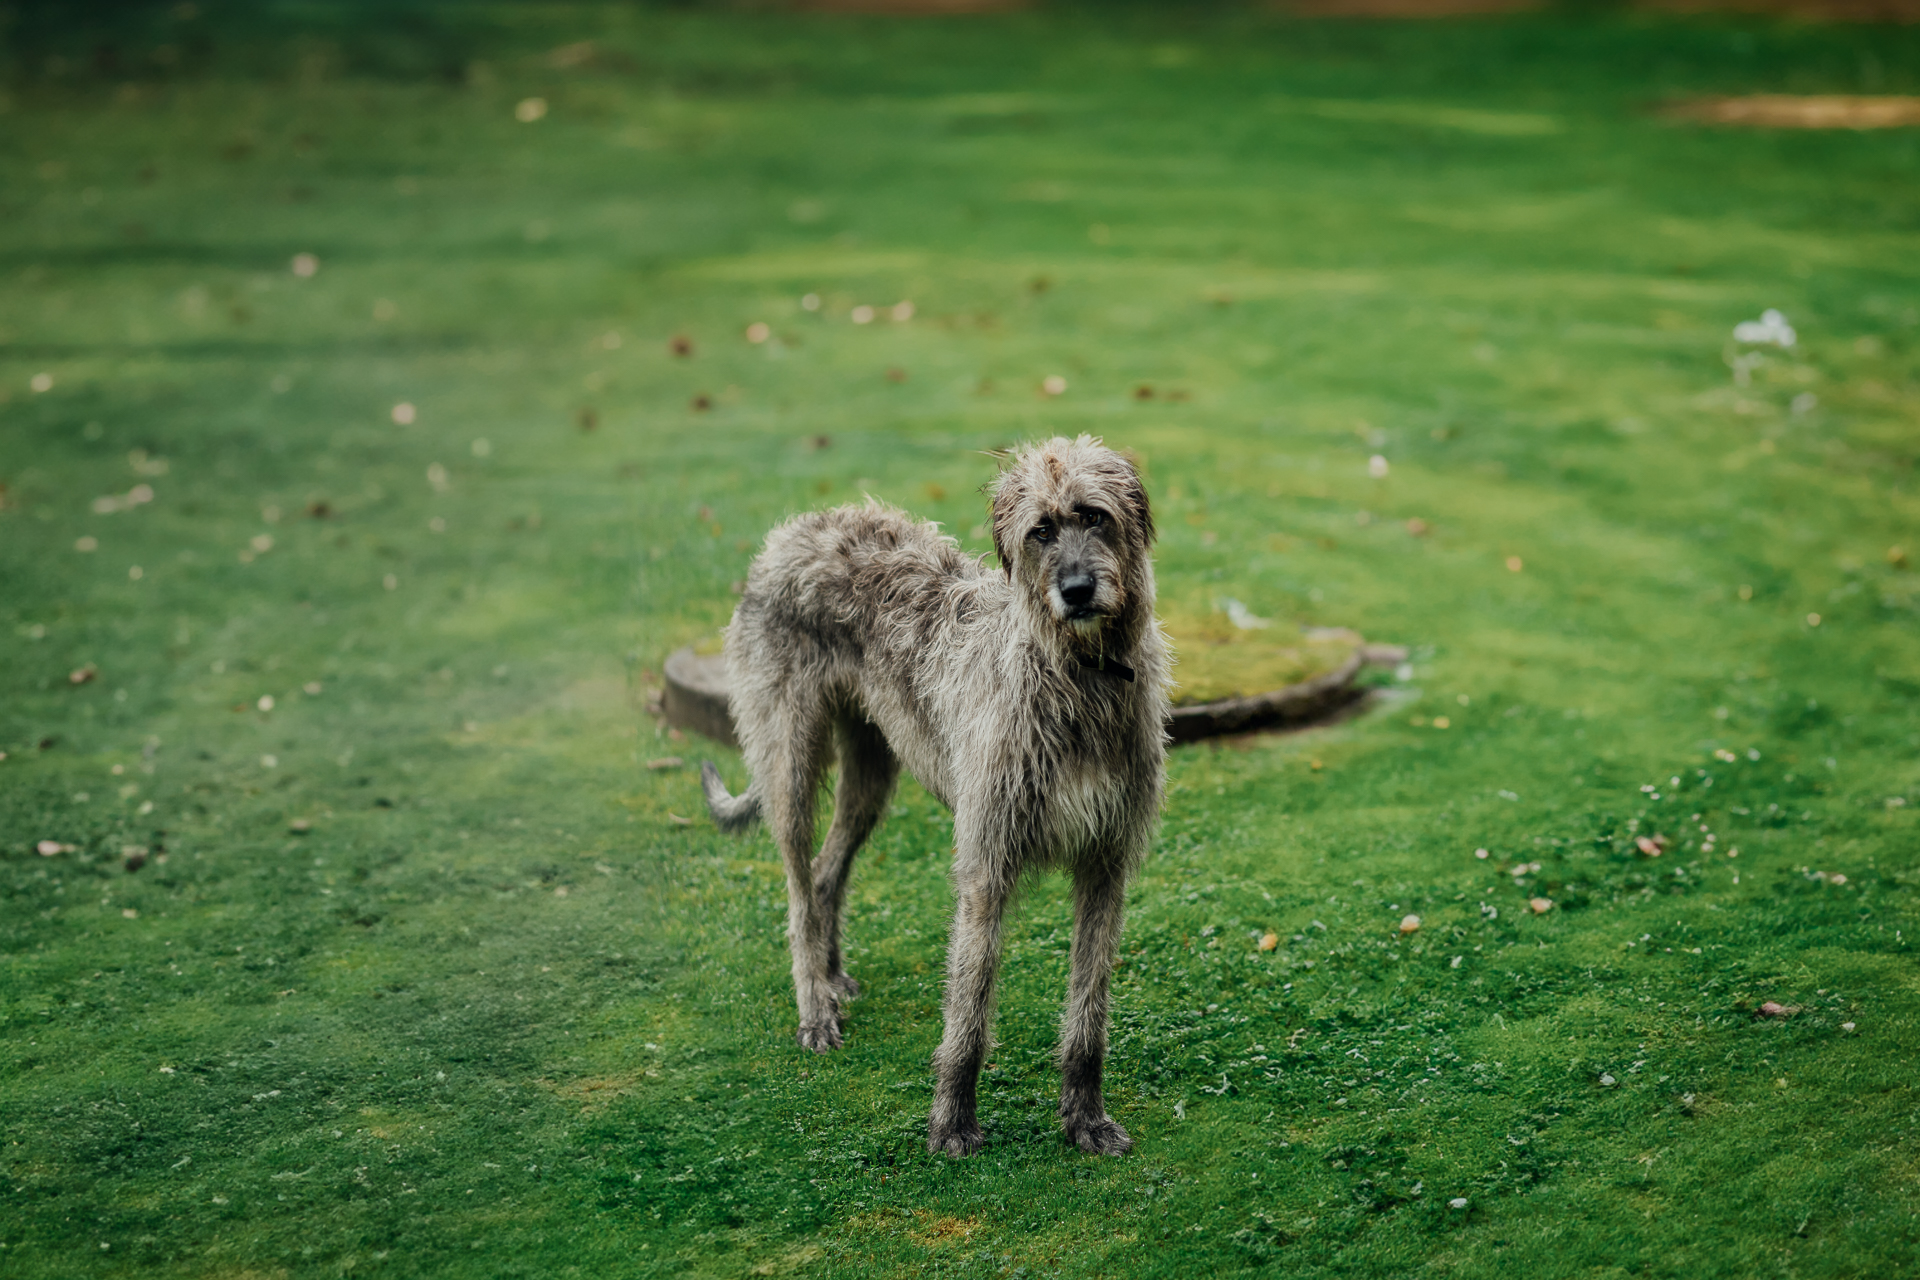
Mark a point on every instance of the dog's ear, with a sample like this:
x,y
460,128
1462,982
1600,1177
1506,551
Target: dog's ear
x,y
1139,510
1002,515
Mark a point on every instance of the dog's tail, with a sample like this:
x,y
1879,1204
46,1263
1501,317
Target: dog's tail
x,y
730,813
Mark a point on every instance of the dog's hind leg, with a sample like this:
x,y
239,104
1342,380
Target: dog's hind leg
x,y
973,963
790,779
1099,894
868,771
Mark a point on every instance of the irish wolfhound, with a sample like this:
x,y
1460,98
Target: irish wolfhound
x,y
1032,701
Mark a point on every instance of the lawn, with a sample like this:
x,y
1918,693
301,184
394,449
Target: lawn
x,y
379,406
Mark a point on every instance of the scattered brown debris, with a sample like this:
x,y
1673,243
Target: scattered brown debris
x,y
666,762
702,402
588,417
1403,8
83,675
681,345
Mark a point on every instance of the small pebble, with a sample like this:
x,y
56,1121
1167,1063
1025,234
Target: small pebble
x,y
266,702
47,848
1540,905
1053,384
1409,924
404,413
1481,854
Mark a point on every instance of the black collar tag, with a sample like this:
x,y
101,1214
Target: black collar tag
x,y
1112,666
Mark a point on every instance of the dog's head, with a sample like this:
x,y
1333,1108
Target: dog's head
x,y
1072,526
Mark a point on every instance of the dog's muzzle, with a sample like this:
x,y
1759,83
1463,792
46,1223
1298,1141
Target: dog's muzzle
x,y
1077,593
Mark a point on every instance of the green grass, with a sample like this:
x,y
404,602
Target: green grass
x,y
497,1013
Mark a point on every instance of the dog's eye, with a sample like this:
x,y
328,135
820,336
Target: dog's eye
x,y
1094,519
1042,532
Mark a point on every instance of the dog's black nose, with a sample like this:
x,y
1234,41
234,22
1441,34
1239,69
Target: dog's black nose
x,y
1077,591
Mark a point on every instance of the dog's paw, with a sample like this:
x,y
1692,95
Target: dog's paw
x,y
821,1037
844,985
1100,1137
956,1140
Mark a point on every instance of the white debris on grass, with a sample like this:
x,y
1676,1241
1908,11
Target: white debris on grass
x,y
1770,329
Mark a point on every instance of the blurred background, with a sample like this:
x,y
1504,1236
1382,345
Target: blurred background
x,y
387,389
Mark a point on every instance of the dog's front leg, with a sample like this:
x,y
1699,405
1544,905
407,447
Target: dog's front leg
x,y
1099,894
973,962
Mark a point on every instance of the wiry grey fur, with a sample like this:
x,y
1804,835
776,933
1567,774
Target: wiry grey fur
x,y
866,635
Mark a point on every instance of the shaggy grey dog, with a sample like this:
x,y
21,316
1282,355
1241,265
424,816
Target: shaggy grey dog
x,y
1030,699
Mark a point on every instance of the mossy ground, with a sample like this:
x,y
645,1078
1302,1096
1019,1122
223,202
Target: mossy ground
x,y
497,1011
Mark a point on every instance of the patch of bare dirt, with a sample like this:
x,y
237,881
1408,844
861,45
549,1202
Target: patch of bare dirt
x,y
1793,111
1804,10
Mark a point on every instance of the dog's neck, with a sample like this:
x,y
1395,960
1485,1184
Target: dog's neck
x,y
1111,650
1110,665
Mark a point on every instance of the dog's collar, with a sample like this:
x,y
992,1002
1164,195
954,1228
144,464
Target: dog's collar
x,y
1112,666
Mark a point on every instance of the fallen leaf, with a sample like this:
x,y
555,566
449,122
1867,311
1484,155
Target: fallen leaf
x,y
1409,924
1540,905
1268,941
